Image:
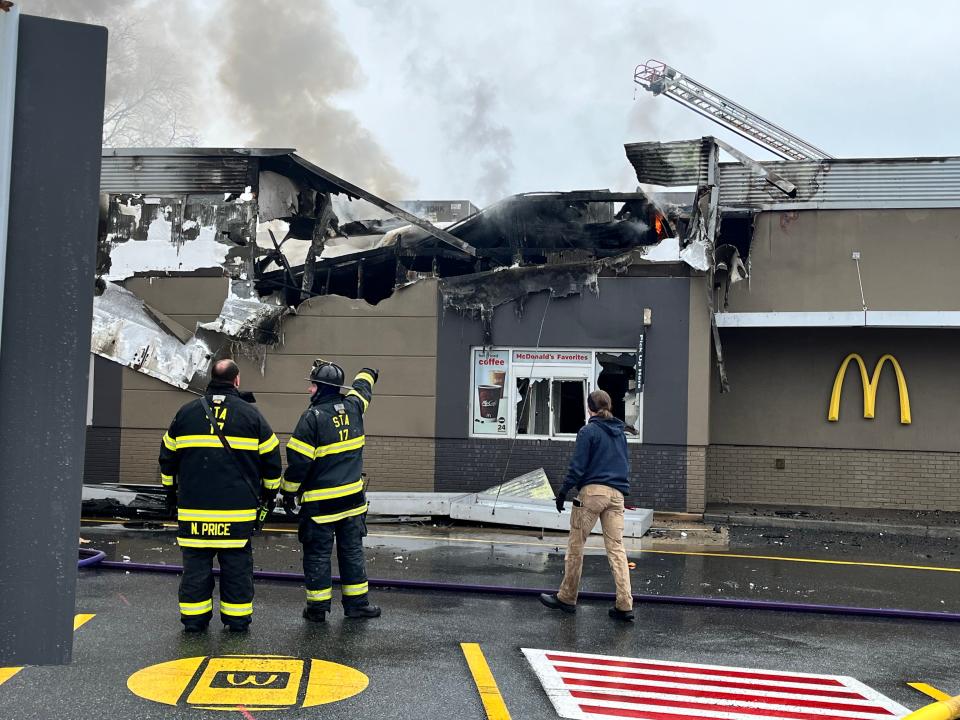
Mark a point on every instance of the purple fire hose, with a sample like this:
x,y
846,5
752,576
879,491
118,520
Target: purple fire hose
x,y
90,557
99,561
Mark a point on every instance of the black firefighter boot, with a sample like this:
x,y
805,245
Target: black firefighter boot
x,y
314,614
362,612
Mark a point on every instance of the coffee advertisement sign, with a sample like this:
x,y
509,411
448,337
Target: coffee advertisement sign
x,y
490,396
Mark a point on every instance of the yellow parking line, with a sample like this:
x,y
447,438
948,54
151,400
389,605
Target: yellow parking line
x,y
929,691
732,556
483,678
7,673
78,620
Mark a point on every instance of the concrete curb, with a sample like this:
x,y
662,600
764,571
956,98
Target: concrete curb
x,y
849,526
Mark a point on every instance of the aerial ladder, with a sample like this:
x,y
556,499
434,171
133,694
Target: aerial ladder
x,y
661,79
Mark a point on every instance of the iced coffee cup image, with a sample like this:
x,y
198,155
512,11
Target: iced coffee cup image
x,y
498,378
489,401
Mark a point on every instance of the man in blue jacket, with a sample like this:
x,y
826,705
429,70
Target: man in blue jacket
x,y
600,469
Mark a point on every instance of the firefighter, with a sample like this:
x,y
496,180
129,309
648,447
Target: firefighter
x,y
221,494
324,470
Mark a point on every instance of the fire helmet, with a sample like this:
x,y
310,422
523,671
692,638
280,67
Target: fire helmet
x,y
326,373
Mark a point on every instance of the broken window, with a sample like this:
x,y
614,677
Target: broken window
x,y
617,374
533,406
569,406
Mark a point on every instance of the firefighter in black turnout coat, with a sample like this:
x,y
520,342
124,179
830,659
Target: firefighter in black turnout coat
x,y
219,495
324,469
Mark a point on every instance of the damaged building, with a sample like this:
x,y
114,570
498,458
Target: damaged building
x,y
715,306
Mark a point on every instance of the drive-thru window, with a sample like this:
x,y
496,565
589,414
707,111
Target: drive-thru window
x,y
542,394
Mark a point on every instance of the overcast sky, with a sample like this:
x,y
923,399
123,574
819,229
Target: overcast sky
x,y
475,100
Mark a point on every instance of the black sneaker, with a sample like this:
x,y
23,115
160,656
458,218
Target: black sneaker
x,y
554,603
624,615
362,612
195,628
314,615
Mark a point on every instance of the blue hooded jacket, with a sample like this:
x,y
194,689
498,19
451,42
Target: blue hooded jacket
x,y
600,457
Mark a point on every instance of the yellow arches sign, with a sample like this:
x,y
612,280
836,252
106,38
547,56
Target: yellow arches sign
x,y
869,388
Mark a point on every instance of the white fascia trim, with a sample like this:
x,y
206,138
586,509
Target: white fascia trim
x,y
9,36
791,319
870,318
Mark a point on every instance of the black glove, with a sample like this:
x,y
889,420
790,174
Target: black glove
x,y
170,496
374,372
561,499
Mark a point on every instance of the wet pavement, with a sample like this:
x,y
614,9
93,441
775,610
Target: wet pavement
x,y
412,655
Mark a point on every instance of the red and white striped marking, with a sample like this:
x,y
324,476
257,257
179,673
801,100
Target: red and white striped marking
x,y
602,687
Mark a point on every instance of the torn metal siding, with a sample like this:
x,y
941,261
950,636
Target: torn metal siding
x,y
685,162
126,331
122,172
846,184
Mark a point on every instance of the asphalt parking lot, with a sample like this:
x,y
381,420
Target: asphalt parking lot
x,y
411,662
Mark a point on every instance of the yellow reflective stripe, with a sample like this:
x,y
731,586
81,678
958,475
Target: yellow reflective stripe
x,y
269,444
335,492
342,446
217,515
289,487
365,402
358,589
365,376
198,543
236,609
196,608
318,595
340,516
169,442
301,447
199,441
166,479
271,484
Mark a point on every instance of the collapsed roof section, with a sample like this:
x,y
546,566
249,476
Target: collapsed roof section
x,y
283,230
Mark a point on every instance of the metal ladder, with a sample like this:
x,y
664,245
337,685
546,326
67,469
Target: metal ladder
x,y
661,79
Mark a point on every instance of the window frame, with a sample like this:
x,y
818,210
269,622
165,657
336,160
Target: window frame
x,y
587,371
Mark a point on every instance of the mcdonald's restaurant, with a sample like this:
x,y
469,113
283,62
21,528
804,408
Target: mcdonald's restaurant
x,y
763,347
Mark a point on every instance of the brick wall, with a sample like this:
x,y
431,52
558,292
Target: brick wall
x,y
658,472
390,463
828,477
102,455
696,478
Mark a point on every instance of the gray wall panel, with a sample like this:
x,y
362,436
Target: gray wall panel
x,y
45,359
611,319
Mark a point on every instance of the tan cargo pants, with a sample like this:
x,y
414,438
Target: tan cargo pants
x,y
606,503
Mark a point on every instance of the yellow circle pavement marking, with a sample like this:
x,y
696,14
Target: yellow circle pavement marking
x,y
255,682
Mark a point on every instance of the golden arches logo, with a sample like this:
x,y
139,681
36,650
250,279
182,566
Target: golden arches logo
x,y
870,388
255,682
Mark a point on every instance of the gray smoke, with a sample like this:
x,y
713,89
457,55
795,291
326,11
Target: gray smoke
x,y
151,68
281,65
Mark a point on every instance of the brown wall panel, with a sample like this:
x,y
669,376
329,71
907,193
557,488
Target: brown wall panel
x,y
801,261
389,415
781,381
181,295
417,300
320,336
288,373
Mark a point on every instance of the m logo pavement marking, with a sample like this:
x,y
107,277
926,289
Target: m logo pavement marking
x,y
255,682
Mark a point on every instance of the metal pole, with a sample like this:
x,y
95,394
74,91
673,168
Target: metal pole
x,y
9,36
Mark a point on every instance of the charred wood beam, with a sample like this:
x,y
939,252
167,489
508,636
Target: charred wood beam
x,y
355,191
318,240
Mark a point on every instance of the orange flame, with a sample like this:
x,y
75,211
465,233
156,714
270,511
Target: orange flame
x,y
658,226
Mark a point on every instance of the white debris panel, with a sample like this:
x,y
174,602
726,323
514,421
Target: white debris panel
x,y
127,331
